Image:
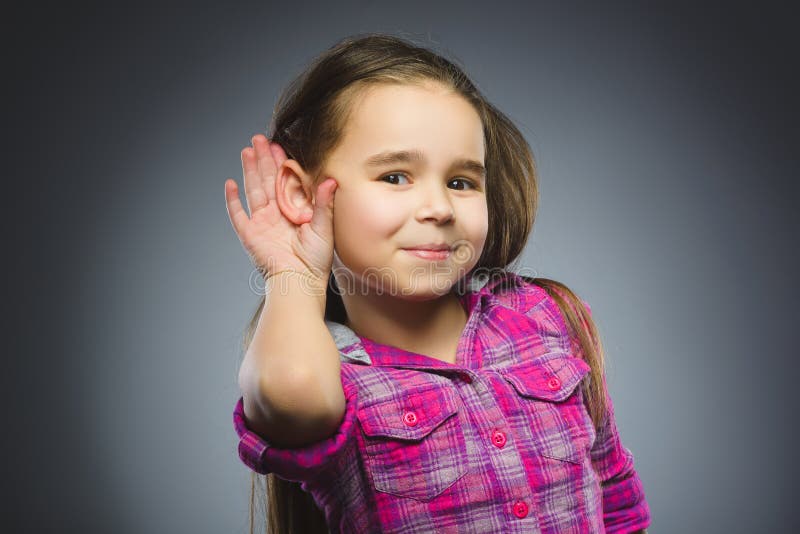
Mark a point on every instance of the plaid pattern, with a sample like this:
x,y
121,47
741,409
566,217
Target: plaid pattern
x,y
500,441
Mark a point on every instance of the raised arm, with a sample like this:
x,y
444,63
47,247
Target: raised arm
x,y
290,377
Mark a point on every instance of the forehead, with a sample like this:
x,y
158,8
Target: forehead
x,y
401,117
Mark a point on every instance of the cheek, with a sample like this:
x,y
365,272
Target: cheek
x,y
477,223
359,219
352,215
360,214
476,228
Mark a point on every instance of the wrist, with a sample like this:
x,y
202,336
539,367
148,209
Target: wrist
x,y
285,280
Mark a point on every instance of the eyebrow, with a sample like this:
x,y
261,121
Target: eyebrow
x,y
410,156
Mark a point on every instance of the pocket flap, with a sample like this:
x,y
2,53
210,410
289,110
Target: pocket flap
x,y
551,377
411,415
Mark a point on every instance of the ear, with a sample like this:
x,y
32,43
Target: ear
x,y
293,192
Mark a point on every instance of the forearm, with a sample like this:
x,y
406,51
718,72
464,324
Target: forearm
x,y
292,351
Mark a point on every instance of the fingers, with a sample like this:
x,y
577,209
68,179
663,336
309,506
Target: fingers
x,y
278,154
235,211
253,190
326,190
266,166
322,218
260,164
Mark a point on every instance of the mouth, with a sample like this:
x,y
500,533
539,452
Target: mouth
x,y
429,254
431,246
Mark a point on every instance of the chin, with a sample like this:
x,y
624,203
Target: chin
x,y
427,288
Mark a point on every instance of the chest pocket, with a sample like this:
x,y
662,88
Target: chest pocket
x,y
414,441
550,397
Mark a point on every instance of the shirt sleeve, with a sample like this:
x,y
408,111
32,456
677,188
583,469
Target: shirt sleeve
x,y
301,463
625,507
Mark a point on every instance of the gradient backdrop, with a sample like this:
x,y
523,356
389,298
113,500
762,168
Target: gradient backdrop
x,y
666,140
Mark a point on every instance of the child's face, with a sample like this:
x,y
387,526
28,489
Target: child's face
x,y
380,210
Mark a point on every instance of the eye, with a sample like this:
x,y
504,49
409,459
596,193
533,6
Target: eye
x,y
464,180
470,183
391,175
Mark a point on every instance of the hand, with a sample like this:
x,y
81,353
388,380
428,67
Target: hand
x,y
272,241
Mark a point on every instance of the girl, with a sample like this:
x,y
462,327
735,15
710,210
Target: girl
x,y
397,376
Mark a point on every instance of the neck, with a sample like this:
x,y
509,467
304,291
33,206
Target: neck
x,y
426,327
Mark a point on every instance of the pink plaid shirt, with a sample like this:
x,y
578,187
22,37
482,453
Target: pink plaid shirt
x,y
500,441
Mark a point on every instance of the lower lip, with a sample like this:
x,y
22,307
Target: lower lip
x,y
429,254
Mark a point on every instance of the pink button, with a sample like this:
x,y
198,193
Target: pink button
x,y
554,383
520,509
410,418
498,439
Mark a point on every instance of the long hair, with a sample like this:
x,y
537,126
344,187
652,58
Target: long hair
x,y
308,122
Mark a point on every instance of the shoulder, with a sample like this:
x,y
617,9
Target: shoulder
x,y
524,295
541,299
519,292
552,291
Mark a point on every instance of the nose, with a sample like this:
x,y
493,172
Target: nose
x,y
435,205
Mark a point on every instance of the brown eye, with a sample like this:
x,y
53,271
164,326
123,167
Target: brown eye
x,y
392,175
463,180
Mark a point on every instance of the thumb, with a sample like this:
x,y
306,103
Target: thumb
x,y
322,218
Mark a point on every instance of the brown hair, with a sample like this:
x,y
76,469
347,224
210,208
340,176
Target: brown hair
x,y
308,122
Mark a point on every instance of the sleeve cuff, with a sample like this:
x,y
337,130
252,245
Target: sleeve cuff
x,y
296,464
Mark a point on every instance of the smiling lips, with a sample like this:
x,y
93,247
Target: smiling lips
x,y
431,246
430,251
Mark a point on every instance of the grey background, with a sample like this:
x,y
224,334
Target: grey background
x,y
666,143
